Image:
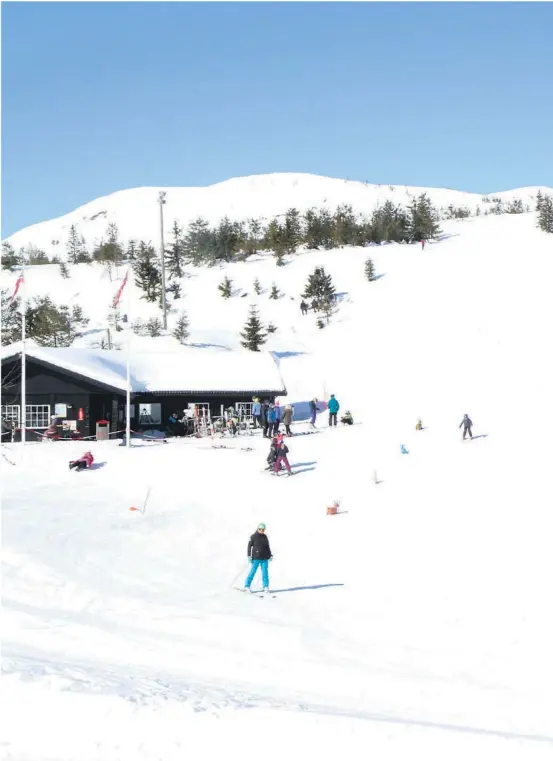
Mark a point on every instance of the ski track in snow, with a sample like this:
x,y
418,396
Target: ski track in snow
x,y
414,622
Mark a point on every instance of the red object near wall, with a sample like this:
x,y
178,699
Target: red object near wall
x,y
80,416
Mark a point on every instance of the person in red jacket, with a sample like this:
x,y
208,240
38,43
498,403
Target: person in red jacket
x,y
83,462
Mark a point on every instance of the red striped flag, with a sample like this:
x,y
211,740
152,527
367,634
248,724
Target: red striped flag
x,y
120,291
18,283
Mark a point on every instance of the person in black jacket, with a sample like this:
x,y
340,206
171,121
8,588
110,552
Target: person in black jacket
x,y
259,554
264,418
466,423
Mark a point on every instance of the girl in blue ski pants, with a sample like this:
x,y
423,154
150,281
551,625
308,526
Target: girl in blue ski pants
x,y
264,565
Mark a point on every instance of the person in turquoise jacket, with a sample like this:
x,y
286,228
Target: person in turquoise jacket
x,y
333,407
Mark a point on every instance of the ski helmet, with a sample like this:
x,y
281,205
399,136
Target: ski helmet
x,y
262,526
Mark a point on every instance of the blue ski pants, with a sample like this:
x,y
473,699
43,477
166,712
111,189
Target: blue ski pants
x,y
264,565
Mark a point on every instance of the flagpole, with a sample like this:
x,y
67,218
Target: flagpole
x,y
128,412
23,365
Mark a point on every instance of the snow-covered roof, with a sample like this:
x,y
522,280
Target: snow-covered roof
x,y
186,370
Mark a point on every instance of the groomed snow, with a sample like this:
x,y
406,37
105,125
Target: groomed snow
x,y
415,624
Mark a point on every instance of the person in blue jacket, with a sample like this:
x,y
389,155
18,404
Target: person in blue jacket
x,y
278,418
271,419
256,413
333,407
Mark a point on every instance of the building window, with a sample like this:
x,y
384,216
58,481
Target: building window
x,y
37,416
10,413
149,414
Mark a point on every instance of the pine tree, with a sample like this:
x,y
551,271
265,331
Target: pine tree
x,y
257,287
345,228
274,240
423,220
253,334
291,232
64,271
11,318
110,251
74,246
181,331
515,206
9,258
275,293
132,251
225,287
153,327
319,289
271,328
369,270
545,214
48,324
147,272
174,255
252,237
228,239
199,243
78,317
313,235
36,256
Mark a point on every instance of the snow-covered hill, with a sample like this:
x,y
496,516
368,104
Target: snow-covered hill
x,y
414,624
136,211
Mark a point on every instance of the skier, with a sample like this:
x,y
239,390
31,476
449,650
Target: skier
x,y
333,407
287,418
271,457
466,424
418,426
83,462
313,408
256,412
423,243
271,418
347,418
282,451
259,554
303,307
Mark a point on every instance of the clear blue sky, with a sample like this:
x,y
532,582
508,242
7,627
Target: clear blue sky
x,y
97,97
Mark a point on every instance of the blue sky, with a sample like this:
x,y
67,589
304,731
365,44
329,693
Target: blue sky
x,y
97,97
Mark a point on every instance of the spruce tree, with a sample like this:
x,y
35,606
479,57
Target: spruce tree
x,y
225,287
147,272
253,334
153,327
199,243
253,235
110,250
11,318
132,251
9,258
545,214
78,317
345,228
64,271
275,293
275,241
48,324
291,231
422,223
257,287
181,331
320,289
369,270
175,254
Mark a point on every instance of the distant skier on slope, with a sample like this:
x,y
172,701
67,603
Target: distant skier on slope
x,y
466,424
333,407
83,462
259,554
303,307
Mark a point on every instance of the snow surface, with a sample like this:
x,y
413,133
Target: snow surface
x,y
415,623
182,369
136,211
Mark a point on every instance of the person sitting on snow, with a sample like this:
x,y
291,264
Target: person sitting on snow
x,y
347,418
83,462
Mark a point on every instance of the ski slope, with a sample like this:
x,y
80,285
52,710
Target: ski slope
x,y
414,623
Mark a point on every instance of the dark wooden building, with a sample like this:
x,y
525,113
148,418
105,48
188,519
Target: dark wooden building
x,y
83,386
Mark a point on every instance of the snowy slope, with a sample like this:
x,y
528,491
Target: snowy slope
x,y
414,624
263,197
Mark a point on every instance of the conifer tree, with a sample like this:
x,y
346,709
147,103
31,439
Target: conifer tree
x,y
132,250
78,316
257,287
253,334
153,327
545,214
291,231
275,293
147,272
11,318
64,271
275,240
48,324
111,250
422,223
225,287
199,243
369,270
181,331
320,289
174,260
345,230
9,257
252,237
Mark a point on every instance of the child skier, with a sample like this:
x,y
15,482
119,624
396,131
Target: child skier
x,y
83,462
282,452
466,424
347,418
259,554
271,457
